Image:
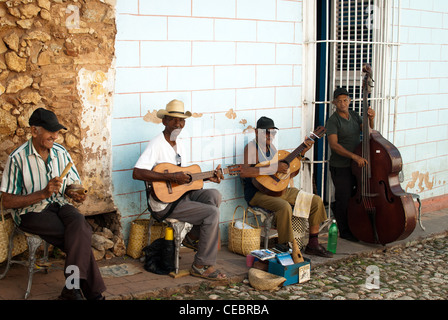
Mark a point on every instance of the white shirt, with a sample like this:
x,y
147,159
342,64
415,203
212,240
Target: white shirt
x,y
160,151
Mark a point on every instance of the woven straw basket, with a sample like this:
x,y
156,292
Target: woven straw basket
x,y
243,241
138,236
19,240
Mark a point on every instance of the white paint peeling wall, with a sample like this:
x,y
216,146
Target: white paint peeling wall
x,y
422,122
96,91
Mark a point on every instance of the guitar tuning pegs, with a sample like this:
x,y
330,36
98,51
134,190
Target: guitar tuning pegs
x,y
235,169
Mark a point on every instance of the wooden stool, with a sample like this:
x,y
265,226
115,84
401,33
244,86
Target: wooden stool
x,y
267,224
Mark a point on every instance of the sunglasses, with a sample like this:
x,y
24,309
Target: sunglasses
x,y
178,160
269,132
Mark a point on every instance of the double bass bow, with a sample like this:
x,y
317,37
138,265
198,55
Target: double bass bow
x,y
381,211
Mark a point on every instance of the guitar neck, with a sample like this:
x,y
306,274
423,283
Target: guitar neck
x,y
314,135
295,153
206,174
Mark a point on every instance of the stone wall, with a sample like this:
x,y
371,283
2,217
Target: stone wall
x,y
59,55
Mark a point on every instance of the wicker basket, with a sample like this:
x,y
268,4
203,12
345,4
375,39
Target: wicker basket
x,y
158,230
243,241
300,229
138,236
6,227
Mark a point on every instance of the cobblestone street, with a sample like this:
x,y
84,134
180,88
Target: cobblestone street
x,y
418,271
414,268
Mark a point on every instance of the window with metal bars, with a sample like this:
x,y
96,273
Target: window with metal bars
x,y
351,27
348,34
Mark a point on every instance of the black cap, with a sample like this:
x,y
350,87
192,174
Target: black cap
x,y
46,119
265,123
340,91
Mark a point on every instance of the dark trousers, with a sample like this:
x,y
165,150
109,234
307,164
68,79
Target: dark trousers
x,y
66,228
344,187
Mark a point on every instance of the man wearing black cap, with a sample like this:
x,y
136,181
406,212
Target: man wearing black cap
x,y
343,132
33,186
262,149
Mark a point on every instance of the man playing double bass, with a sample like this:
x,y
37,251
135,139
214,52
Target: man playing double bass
x,y
343,131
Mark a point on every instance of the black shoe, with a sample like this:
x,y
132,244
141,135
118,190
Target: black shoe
x,y
71,294
190,243
318,251
283,247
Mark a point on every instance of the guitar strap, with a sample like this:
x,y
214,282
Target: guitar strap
x,y
266,155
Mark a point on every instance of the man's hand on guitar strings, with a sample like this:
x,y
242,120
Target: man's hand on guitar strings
x,y
218,175
283,167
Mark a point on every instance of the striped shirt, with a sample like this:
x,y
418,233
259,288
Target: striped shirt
x,y
26,172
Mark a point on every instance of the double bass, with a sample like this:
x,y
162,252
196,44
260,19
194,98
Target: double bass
x,y
381,211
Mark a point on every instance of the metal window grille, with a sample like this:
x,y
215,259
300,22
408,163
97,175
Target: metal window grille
x,y
339,37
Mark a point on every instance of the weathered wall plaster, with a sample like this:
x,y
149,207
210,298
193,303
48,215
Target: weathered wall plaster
x,y
96,91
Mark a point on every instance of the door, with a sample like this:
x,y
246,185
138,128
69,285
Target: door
x,y
339,37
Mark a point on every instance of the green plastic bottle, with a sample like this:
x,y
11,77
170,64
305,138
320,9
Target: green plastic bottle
x,y
332,237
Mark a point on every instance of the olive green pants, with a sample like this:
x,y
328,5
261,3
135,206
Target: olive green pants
x,y
282,206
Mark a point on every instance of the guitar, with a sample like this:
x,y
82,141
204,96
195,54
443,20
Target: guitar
x,y
275,185
167,191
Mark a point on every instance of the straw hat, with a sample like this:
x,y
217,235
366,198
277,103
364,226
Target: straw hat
x,y
262,280
174,108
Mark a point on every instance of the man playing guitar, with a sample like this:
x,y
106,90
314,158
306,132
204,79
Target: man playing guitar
x,y
263,150
198,207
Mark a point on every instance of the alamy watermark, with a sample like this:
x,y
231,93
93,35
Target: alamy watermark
x,y
373,280
223,144
72,281
72,21
372,20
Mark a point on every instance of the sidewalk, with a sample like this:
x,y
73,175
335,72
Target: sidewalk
x,y
146,284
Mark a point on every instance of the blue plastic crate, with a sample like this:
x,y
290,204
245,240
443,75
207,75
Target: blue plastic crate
x,y
295,273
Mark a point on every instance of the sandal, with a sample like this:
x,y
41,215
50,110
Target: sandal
x,y
200,272
189,243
